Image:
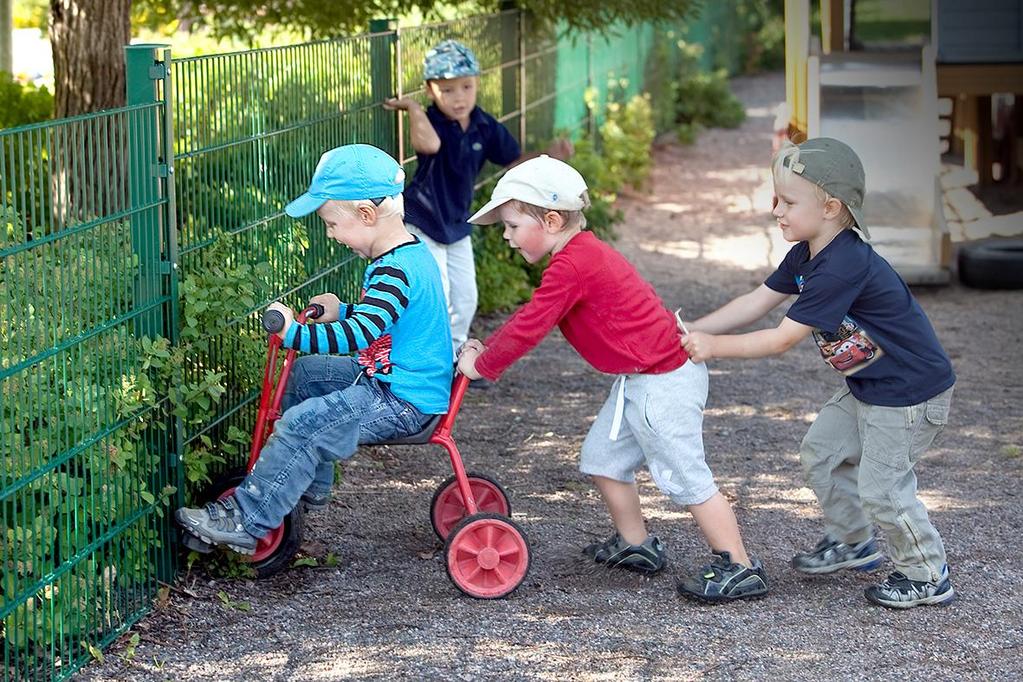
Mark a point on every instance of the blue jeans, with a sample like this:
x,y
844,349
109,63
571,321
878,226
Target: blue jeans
x,y
329,408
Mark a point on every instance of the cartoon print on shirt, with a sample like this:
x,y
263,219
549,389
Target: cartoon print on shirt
x,y
847,350
376,357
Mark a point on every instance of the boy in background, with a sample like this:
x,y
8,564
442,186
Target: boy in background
x,y
453,139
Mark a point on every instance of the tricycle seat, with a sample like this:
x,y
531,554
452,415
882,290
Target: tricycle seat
x,y
420,438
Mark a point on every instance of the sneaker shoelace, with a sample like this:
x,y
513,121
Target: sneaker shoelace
x,y
718,568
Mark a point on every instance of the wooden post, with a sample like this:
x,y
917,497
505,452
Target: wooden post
x,y
975,132
832,26
6,38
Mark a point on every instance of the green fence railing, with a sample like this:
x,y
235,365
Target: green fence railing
x,y
83,544
112,224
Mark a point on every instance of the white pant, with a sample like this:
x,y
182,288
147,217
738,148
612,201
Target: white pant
x,y
458,276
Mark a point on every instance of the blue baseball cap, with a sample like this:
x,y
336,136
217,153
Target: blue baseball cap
x,y
449,59
350,173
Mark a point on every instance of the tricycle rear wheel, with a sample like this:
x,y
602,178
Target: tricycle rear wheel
x,y
447,508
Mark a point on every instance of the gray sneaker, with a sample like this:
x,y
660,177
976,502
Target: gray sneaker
x,y
899,592
315,502
647,558
830,556
218,523
724,580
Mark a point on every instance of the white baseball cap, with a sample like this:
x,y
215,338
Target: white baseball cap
x,y
542,181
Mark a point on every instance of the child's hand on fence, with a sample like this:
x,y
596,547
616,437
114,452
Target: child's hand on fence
x,y
699,346
561,149
331,307
401,104
288,313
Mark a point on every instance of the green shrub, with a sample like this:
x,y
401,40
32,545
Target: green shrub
x,y
23,103
763,30
625,137
703,99
60,406
501,277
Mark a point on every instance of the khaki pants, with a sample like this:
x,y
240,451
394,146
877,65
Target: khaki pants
x,y
859,458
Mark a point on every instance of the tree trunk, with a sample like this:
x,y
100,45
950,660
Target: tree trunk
x,y
88,39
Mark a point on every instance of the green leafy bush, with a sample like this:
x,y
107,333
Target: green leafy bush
x,y
95,404
702,99
625,138
23,103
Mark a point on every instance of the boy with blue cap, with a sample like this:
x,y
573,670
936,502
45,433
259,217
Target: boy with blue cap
x,y
859,455
453,139
399,378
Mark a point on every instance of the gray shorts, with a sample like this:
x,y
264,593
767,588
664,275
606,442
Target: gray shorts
x,y
661,425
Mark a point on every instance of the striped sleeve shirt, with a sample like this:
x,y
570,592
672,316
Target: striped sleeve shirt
x,y
385,298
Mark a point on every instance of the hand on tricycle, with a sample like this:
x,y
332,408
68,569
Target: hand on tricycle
x,y
331,307
288,313
467,355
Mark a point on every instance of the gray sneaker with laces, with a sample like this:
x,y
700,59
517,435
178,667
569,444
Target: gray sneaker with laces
x,y
899,592
830,555
315,502
648,557
218,523
724,580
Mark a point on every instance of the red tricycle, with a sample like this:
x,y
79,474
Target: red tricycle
x,y
486,553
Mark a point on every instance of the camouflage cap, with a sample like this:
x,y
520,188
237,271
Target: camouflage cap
x,y
449,59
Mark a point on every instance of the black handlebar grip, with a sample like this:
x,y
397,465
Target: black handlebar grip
x,y
316,310
273,321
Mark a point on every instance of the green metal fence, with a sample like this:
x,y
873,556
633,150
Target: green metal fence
x,y
113,227
81,466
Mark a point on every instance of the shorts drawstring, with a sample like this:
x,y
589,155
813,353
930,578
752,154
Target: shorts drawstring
x,y
616,421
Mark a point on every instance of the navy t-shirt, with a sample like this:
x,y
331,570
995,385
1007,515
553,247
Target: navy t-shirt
x,y
438,199
866,322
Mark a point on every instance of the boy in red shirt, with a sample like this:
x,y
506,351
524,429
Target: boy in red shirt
x,y
618,324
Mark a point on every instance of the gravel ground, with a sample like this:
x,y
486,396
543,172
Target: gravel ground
x,y
388,610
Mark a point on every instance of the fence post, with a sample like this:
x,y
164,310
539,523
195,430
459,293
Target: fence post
x,y
382,81
509,56
145,167
591,123
150,150
399,92
522,78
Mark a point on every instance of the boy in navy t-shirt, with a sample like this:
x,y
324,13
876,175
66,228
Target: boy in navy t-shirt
x,y
859,454
453,139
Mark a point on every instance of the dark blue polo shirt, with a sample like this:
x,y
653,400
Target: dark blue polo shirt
x,y
438,199
866,322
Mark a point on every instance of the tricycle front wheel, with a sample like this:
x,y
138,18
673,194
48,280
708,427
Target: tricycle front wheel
x,y
276,551
487,556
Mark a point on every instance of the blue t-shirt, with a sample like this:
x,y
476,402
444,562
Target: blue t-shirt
x,y
400,328
438,199
866,322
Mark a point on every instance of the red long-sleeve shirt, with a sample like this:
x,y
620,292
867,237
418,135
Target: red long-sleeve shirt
x,y
610,315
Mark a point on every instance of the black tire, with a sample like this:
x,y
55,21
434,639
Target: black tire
x,y
451,480
993,264
294,522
